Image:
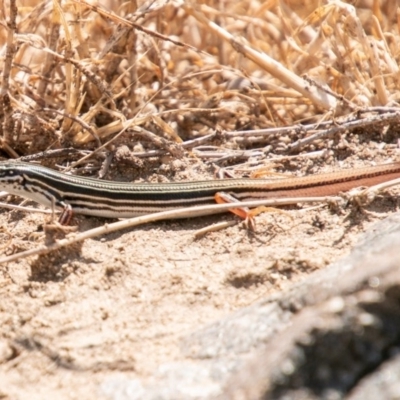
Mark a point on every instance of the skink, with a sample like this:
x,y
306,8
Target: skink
x,y
110,199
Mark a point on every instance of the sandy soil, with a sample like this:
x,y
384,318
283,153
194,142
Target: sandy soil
x,y
120,304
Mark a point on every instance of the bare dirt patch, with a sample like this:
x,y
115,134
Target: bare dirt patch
x,y
122,303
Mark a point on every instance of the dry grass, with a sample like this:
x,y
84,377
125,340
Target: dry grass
x,y
211,77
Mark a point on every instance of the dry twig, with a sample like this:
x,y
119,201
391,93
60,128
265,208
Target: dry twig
x,y
188,212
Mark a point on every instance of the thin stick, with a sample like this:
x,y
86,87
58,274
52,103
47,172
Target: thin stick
x,y
214,228
187,212
380,186
382,118
21,208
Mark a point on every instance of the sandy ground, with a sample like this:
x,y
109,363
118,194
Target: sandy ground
x,y
120,304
